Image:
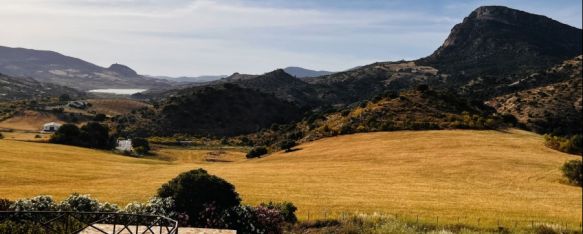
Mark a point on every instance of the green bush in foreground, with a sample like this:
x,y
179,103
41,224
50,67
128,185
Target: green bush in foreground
x,y
194,190
573,171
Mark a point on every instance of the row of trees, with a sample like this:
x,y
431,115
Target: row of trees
x,y
90,135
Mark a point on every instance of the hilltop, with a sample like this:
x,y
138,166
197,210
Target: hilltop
x,y
497,40
221,110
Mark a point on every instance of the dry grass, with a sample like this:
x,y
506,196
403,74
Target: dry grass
x,y
487,174
29,120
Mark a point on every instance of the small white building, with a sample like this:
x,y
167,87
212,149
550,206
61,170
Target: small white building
x,y
77,104
124,145
51,127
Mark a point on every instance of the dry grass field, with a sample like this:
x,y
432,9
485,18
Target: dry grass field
x,y
29,120
469,174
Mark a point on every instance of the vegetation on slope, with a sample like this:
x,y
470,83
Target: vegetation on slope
x,y
554,104
224,110
421,109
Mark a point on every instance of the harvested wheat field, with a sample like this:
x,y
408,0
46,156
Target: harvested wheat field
x,y
489,175
29,120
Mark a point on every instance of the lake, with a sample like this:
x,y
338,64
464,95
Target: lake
x,y
118,91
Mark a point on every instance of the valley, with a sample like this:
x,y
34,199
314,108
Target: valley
x,y
506,175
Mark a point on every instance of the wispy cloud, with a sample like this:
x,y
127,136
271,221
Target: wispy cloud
x,y
190,37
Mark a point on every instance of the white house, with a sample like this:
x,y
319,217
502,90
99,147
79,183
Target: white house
x,y
51,127
78,104
124,145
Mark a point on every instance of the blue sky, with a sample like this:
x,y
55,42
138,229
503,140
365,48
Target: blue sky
x,y
198,37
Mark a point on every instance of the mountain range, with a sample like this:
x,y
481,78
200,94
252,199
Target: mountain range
x,y
505,57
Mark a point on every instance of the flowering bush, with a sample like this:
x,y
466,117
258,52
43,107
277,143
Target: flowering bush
x,y
79,203
244,219
154,206
38,203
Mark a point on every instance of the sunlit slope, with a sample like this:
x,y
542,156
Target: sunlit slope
x,y
472,174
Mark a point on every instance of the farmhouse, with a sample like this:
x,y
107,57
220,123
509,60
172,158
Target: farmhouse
x,y
51,127
124,145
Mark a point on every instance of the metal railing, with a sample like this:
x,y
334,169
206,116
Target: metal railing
x,y
65,222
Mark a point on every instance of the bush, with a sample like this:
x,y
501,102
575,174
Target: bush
x,y
573,171
85,203
286,209
99,117
154,206
5,204
571,145
1,136
287,145
245,219
194,189
67,134
141,145
257,152
38,203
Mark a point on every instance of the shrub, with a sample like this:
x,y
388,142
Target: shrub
x,y
141,145
571,145
79,203
64,98
193,189
287,145
95,135
66,134
257,152
154,206
573,171
38,203
286,209
99,117
246,219
5,204
1,136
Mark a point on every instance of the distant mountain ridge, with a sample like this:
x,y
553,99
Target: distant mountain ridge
x,y
55,68
300,72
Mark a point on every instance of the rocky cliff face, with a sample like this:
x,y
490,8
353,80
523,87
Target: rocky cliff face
x,y
496,40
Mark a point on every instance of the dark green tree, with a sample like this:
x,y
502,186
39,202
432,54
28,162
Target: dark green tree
x,y
194,190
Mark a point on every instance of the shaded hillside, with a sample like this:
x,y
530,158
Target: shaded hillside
x,y
55,68
551,108
223,110
411,110
496,40
368,81
12,88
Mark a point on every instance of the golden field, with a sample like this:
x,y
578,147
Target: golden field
x,y
451,174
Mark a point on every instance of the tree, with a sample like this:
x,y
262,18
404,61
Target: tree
x,y
99,117
95,135
194,190
573,170
257,152
67,134
141,145
287,145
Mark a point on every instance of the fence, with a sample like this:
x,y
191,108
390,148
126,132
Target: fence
x,y
64,222
443,221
